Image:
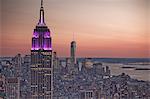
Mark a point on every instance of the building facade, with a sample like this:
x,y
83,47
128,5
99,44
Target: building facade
x,y
41,61
17,63
87,94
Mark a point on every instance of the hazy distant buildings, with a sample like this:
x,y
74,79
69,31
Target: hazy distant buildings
x,y
2,86
56,63
11,69
92,82
80,66
12,88
17,63
41,61
87,94
88,63
25,77
107,71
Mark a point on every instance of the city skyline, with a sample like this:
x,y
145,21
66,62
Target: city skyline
x,y
120,28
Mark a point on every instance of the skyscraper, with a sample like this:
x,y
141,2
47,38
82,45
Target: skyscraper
x,y
73,52
41,61
17,62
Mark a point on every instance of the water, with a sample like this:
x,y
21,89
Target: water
x,y
116,65
116,69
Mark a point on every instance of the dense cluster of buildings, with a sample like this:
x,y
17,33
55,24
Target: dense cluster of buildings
x,y
92,80
15,77
43,75
86,79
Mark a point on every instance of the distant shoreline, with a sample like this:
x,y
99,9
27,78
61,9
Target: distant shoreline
x,y
135,68
142,68
126,67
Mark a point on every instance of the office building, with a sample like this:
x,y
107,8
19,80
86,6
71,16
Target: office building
x,y
73,52
41,61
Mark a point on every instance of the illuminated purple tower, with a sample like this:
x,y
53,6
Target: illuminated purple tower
x,y
41,61
41,39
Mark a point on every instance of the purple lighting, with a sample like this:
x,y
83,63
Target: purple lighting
x,y
47,48
47,35
47,44
35,34
41,42
35,48
41,39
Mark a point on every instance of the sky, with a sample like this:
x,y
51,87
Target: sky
x,y
101,28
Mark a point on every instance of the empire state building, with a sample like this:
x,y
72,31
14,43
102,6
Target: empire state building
x,y
41,60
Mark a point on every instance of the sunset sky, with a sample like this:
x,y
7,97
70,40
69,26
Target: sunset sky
x,y
102,28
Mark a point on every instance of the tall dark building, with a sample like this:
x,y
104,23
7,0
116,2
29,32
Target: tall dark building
x,y
17,63
73,52
41,61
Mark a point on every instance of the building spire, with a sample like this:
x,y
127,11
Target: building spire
x,y
41,3
41,20
73,36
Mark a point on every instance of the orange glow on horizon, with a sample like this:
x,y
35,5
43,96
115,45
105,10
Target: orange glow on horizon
x,y
103,28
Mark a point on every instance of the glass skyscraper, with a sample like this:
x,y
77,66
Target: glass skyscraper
x,y
73,52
